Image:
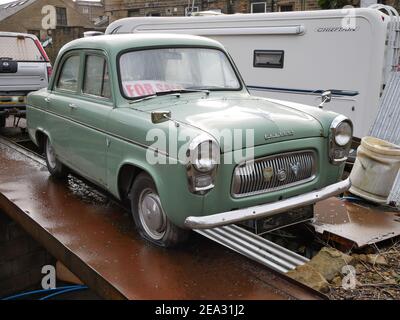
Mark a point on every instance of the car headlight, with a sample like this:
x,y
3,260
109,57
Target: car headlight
x,y
340,139
343,133
203,159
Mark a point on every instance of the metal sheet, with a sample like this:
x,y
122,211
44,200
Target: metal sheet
x,y
360,224
394,196
386,125
96,240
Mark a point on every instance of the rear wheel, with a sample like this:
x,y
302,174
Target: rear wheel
x,y
2,121
150,218
55,167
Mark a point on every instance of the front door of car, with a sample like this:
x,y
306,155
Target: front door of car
x,y
89,112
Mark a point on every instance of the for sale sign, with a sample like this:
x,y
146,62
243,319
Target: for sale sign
x,y
142,88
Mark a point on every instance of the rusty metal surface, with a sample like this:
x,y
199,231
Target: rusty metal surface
x,y
360,223
96,240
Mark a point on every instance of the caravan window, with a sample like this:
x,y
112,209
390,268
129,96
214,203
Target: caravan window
x,y
268,59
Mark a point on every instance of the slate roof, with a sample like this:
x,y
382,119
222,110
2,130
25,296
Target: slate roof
x,y
8,9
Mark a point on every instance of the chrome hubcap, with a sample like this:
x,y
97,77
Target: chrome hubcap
x,y
51,155
151,214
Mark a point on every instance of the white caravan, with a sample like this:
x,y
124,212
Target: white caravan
x,y
296,56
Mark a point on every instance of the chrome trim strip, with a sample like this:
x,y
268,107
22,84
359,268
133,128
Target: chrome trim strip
x,y
277,161
102,131
317,92
268,209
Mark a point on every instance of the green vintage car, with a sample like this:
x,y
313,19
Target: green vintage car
x,y
166,125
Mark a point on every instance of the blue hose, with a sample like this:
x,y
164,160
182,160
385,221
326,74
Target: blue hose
x,y
24,294
350,198
63,291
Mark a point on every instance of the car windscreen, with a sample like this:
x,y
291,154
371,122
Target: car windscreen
x,y
147,72
19,49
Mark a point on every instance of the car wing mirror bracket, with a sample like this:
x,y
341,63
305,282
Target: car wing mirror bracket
x,y
326,97
160,116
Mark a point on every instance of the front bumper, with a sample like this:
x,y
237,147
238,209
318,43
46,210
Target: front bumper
x,y
268,209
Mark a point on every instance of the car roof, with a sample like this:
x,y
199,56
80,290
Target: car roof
x,y
16,34
120,42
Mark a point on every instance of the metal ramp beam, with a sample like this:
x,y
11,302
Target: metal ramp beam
x,y
255,247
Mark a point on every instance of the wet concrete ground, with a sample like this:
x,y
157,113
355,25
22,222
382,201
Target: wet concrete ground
x,y
96,239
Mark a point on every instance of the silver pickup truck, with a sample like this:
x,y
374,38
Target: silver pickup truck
x,y
24,67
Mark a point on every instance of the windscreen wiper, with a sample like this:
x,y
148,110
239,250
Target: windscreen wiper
x,y
165,93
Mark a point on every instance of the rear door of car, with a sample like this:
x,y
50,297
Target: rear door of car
x,y
88,130
60,102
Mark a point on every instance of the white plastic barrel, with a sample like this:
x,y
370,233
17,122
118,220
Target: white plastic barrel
x,y
375,169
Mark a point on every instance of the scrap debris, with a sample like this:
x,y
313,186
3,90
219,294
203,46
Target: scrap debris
x,y
356,223
376,275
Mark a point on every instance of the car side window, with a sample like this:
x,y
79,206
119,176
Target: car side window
x,y
96,80
68,79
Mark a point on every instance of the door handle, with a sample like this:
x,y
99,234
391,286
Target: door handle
x,y
47,99
72,105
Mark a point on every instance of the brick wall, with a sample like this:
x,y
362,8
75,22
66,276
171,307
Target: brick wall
x,y
298,5
21,259
117,9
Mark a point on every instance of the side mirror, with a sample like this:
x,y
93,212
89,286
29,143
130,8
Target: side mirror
x,y
326,96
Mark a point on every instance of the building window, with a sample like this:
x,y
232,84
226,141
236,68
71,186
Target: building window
x,y
153,14
285,7
133,12
190,10
61,16
258,7
85,10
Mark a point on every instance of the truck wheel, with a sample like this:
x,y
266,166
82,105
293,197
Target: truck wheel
x,y
2,121
148,214
55,167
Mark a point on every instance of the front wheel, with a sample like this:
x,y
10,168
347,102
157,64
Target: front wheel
x,y
149,216
55,167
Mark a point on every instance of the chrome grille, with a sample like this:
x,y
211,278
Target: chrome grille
x,y
273,173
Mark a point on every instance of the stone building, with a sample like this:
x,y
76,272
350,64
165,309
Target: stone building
x,y
117,9
94,10
26,16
